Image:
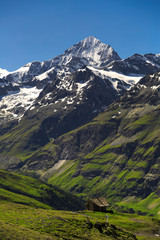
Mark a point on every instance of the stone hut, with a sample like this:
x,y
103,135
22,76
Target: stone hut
x,y
97,204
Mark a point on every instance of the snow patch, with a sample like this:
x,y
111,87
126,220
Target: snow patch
x,y
155,87
3,73
129,79
22,99
80,86
44,75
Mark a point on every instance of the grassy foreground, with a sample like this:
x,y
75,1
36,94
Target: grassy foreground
x,y
19,221
144,227
30,210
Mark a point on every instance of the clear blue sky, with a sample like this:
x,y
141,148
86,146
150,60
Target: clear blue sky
x,y
42,29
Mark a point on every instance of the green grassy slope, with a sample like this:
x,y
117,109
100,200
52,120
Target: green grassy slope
x,y
24,222
126,164
143,227
117,154
29,191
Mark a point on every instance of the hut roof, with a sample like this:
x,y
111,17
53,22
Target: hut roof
x,y
101,202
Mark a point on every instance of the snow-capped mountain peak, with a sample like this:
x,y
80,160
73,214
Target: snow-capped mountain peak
x,y
90,42
87,65
3,72
90,51
93,51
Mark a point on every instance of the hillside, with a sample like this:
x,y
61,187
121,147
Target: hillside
x,y
27,211
19,221
116,154
25,190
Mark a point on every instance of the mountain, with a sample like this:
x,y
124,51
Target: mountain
x,y
116,154
83,124
137,64
20,88
25,84
78,86
90,51
44,100
62,106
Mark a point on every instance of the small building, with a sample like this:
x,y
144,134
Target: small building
x,y
97,204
